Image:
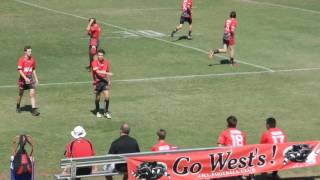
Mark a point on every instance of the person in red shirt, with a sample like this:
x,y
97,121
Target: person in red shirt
x,y
186,16
28,79
162,145
101,82
79,147
93,30
228,38
232,136
273,135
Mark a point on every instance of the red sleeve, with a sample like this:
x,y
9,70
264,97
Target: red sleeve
x,y
285,137
67,153
222,139
20,64
153,148
93,152
108,66
233,25
94,65
244,139
263,139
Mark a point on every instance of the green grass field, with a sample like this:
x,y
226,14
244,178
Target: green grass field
x,y
155,83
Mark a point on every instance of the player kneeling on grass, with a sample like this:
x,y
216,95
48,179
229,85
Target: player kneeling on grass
x,y
186,16
101,82
28,79
228,38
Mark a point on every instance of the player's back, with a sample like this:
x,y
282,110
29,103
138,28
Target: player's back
x,y
232,137
273,136
163,146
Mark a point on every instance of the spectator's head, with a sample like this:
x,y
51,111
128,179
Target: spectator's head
x,y
233,14
100,54
124,129
161,134
271,122
232,122
27,50
78,132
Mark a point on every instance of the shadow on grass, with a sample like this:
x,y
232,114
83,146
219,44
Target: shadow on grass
x,y
26,108
184,37
221,62
94,112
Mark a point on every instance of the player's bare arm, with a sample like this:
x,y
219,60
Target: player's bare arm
x,y
35,77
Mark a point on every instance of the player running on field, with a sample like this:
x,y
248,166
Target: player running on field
x,y
28,79
228,38
101,82
186,16
93,30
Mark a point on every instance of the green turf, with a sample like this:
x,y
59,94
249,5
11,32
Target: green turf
x,y
192,110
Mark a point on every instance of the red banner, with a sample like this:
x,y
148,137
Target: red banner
x,y
224,162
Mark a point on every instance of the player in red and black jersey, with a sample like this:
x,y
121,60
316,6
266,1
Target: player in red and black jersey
x,y
186,16
101,82
228,38
28,79
93,30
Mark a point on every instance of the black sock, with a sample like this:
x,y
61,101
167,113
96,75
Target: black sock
x,y
106,107
18,106
189,33
215,51
97,105
231,60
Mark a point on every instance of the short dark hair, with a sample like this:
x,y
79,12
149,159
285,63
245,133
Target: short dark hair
x,y
232,121
125,128
162,134
94,20
101,51
26,48
271,122
233,14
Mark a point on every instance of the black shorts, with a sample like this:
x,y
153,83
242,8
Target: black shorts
x,y
24,86
186,19
224,41
83,171
101,85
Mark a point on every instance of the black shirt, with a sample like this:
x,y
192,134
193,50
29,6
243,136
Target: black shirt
x,y
124,144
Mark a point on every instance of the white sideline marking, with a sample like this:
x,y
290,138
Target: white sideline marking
x,y
125,29
283,6
177,77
